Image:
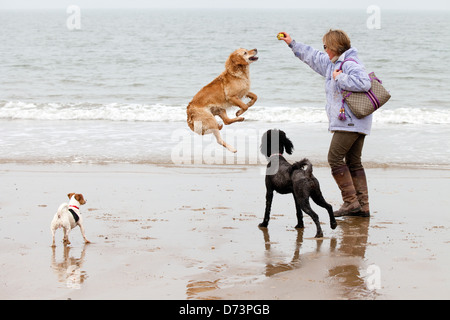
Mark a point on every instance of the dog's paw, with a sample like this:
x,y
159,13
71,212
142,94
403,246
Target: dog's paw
x,y
299,226
263,225
319,235
230,148
333,225
239,112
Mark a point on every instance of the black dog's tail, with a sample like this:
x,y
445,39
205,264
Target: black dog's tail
x,y
300,165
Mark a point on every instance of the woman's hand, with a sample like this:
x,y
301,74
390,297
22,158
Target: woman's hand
x,y
287,38
336,73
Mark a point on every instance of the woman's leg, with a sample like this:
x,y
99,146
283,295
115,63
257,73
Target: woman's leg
x,y
344,150
353,160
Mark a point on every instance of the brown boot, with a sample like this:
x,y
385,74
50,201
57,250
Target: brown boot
x,y
360,183
344,181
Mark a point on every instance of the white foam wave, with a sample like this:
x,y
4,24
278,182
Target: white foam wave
x,y
162,113
318,115
413,116
92,111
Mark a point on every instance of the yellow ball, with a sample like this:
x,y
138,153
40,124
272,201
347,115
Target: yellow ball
x,y
280,36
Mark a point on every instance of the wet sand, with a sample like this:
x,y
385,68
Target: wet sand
x,y
168,232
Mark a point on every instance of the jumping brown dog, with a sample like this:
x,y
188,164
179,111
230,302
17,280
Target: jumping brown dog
x,y
225,91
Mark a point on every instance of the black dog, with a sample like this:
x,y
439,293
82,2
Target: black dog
x,y
285,178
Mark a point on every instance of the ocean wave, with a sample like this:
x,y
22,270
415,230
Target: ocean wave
x,y
17,110
92,111
318,115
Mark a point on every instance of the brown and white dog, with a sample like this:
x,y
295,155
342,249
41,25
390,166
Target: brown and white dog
x,y
68,217
225,91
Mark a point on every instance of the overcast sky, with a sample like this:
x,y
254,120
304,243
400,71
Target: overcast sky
x,y
361,4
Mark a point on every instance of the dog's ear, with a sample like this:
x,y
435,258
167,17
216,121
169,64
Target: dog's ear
x,y
237,59
70,195
79,197
286,143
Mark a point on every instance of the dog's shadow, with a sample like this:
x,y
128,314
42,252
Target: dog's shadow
x,y
68,269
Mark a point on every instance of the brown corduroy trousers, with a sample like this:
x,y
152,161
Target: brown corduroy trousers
x,y
346,149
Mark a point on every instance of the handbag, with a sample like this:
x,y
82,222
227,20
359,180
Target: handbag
x,y
363,104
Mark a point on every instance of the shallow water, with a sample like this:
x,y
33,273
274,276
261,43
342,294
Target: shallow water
x,y
100,142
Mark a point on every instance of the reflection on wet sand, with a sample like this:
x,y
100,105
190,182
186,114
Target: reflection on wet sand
x,y
273,268
68,270
194,288
353,244
347,256
336,266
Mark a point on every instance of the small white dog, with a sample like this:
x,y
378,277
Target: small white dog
x,y
68,217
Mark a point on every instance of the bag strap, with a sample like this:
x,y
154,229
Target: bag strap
x,y
342,111
342,116
349,59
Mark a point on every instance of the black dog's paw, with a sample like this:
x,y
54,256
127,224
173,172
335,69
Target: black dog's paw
x,y
299,226
263,225
319,235
333,225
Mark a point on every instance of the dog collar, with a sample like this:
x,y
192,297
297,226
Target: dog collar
x,y
74,207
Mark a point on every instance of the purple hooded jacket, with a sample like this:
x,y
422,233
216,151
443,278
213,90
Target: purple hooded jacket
x,y
353,78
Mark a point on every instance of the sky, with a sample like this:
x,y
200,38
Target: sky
x,y
267,4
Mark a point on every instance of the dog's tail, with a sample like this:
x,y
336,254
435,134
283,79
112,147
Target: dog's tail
x,y
300,166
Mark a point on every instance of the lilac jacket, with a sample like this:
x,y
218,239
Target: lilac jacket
x,y
353,78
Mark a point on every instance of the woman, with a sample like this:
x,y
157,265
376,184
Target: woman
x,y
349,132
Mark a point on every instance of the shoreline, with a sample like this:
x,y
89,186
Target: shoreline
x,y
174,232
148,143
236,165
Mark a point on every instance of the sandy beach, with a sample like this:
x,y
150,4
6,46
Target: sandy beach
x,y
190,232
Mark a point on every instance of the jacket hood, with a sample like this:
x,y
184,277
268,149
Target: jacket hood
x,y
350,53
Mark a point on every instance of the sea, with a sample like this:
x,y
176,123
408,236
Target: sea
x,y
99,86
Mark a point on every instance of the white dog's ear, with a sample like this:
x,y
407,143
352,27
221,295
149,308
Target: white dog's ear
x,y
79,197
70,195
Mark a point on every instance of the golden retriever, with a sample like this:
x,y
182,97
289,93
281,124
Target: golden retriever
x,y
225,91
